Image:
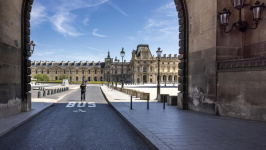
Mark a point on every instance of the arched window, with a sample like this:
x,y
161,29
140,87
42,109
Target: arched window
x,y
151,69
138,69
163,69
95,71
77,78
56,78
89,78
144,68
83,71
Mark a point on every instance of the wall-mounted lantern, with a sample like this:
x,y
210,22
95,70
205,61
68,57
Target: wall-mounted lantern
x,y
241,25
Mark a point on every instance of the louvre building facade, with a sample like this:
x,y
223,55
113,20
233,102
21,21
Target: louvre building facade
x,y
141,68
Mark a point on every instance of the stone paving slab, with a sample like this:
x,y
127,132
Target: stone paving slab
x,y
38,105
172,128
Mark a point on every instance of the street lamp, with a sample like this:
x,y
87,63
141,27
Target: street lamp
x,y
32,45
116,72
159,52
112,75
122,53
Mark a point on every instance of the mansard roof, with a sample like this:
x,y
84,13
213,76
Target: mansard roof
x,y
68,64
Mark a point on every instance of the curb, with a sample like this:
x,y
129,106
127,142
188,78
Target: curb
x,y
29,118
131,125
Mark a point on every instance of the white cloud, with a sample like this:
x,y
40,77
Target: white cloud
x,y
162,25
38,15
118,9
96,34
62,23
85,21
92,48
64,19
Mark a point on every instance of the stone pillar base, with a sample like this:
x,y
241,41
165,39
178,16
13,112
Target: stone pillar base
x,y
26,104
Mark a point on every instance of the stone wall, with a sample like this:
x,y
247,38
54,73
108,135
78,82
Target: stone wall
x,y
202,16
10,52
241,66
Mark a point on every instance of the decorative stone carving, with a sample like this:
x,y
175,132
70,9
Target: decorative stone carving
x,y
196,96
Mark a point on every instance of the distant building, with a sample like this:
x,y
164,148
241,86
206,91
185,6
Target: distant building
x,y
141,68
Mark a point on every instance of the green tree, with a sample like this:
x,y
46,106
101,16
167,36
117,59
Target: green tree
x,y
41,77
62,77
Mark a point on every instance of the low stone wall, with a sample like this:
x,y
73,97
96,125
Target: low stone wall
x,y
172,100
144,96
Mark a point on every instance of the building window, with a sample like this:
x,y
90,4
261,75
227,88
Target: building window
x,y
151,62
144,55
95,72
151,69
89,71
89,78
47,71
173,69
163,69
77,71
36,71
138,61
168,63
163,63
42,71
138,69
144,68
168,70
55,71
64,71
77,78
101,71
70,71
83,71
56,78
115,72
174,63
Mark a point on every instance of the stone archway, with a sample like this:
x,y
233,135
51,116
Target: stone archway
x,y
183,54
19,44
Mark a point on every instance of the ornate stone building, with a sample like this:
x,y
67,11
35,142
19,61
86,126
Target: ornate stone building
x,y
141,68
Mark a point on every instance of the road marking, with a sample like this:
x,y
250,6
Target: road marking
x,y
79,104
80,110
71,104
91,104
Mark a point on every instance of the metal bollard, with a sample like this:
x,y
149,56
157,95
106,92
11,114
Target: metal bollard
x,y
148,98
44,93
52,92
40,94
48,92
131,102
164,102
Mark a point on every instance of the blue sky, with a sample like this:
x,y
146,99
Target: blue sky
x,y
84,30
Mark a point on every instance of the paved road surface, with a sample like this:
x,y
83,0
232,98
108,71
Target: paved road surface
x,y
59,127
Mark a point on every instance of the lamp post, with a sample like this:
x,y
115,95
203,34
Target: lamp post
x,y
112,75
32,45
122,53
241,25
159,52
116,72
38,76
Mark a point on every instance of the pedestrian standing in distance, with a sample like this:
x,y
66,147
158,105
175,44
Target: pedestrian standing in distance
x,y
83,90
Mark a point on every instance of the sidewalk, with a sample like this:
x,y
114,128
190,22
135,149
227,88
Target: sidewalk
x,y
171,128
38,105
